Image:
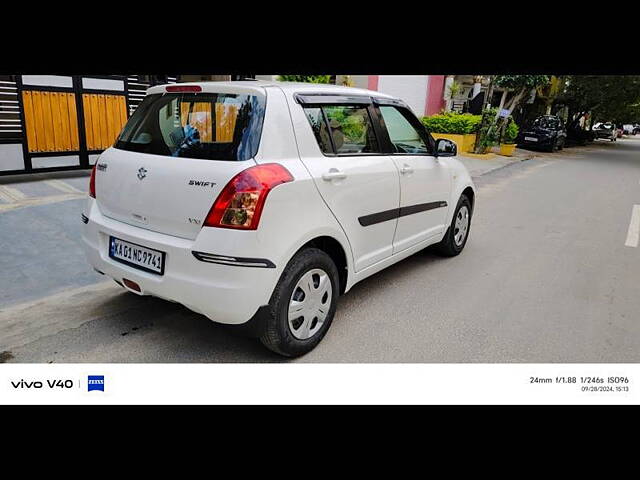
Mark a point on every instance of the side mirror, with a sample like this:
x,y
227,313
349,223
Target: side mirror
x,y
446,148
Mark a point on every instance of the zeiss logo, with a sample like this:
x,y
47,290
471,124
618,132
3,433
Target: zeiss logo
x,y
96,382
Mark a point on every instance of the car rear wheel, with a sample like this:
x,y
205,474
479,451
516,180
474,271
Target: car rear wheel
x,y
456,237
303,304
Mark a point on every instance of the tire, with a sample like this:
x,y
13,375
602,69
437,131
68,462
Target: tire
x,y
561,145
551,148
448,246
289,338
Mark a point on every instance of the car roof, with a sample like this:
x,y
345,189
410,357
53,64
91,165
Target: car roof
x,y
290,88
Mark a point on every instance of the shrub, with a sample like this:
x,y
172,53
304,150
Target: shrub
x,y
487,132
452,122
511,132
305,78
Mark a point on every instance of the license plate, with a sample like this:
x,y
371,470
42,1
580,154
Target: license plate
x,y
136,256
531,139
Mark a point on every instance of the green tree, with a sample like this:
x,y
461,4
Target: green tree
x,y
614,98
549,93
517,87
305,78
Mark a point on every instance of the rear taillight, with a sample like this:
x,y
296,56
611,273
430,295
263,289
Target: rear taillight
x,y
240,203
92,182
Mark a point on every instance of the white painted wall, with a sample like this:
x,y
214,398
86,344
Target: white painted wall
x,y
103,84
268,78
48,80
410,88
58,161
11,157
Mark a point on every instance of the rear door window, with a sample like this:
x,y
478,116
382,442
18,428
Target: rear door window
x,y
343,129
320,128
209,126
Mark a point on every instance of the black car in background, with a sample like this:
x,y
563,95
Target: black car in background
x,y
547,132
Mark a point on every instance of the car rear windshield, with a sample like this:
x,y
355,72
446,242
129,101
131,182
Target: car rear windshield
x,y
209,126
545,122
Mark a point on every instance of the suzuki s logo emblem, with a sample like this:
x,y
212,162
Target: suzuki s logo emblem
x,y
142,173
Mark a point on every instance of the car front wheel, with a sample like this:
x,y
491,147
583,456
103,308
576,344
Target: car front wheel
x,y
456,237
302,305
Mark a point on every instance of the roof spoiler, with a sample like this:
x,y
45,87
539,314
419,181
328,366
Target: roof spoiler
x,y
336,99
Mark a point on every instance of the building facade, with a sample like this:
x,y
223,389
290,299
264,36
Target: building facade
x,y
423,93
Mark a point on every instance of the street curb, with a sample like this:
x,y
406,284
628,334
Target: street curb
x,y
500,167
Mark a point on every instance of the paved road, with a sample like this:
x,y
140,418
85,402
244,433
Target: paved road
x,y
40,236
545,277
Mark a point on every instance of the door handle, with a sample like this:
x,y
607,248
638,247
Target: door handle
x,y
333,174
406,169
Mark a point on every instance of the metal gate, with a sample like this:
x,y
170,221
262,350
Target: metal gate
x,y
53,122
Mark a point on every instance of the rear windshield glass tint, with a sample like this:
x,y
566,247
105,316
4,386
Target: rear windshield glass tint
x,y
209,126
545,122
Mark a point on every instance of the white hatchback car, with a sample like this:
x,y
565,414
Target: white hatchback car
x,y
259,203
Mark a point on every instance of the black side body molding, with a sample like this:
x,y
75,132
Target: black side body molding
x,y
387,215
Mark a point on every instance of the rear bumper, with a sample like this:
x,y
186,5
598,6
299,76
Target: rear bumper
x,y
230,294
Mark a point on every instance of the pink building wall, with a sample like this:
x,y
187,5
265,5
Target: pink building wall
x,y
373,82
435,95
